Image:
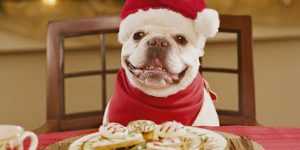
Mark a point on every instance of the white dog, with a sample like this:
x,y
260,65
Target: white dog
x,y
160,57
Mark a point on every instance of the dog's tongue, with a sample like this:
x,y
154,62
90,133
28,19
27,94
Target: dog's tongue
x,y
156,63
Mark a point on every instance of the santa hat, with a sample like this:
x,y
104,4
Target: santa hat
x,y
185,14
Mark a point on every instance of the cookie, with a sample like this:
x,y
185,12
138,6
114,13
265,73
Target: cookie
x,y
165,144
146,127
113,136
113,131
130,140
171,129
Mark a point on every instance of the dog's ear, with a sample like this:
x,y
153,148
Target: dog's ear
x,y
207,23
122,38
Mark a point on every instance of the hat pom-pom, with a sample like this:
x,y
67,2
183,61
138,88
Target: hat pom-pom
x,y
207,23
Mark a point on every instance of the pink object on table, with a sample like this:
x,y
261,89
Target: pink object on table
x,y
269,137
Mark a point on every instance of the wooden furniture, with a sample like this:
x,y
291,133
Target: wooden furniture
x,y
242,26
57,120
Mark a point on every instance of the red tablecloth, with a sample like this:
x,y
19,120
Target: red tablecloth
x,y
269,137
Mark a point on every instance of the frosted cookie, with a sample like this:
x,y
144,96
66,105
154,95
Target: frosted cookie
x,y
165,144
113,136
171,129
131,140
146,127
102,143
113,131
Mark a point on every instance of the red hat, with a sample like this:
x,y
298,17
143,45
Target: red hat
x,y
181,13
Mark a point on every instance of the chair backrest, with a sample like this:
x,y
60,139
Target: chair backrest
x,y
245,115
58,120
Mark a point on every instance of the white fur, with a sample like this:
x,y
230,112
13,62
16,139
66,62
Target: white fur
x,y
167,23
207,115
178,57
206,24
159,17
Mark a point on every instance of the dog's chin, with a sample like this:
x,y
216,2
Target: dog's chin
x,y
155,76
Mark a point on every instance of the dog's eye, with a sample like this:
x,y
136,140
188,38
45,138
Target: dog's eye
x,y
180,39
138,35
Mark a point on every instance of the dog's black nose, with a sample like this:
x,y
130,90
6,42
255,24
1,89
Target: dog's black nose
x,y
158,42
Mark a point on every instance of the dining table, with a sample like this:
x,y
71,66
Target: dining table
x,y
270,138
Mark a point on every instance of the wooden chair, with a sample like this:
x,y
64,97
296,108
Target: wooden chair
x,y
242,26
57,120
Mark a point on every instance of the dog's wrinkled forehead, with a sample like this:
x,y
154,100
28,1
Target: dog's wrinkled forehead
x,y
153,22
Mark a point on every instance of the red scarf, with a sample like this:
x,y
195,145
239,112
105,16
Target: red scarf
x,y
128,103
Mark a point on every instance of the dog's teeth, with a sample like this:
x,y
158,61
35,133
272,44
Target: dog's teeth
x,y
163,82
146,81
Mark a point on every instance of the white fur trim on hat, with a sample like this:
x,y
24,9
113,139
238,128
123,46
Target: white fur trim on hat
x,y
159,17
206,23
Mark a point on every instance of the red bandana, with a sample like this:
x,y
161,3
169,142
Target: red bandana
x,y
128,103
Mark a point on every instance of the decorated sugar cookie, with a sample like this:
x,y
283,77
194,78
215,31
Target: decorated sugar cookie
x,y
171,129
165,144
146,127
113,131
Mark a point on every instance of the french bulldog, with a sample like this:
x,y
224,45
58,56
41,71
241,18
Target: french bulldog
x,y
161,58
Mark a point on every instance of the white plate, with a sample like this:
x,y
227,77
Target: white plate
x,y
214,141
79,143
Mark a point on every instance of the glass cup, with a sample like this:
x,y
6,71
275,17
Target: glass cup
x,y
12,137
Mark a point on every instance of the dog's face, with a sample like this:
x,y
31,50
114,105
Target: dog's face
x,y
161,48
161,60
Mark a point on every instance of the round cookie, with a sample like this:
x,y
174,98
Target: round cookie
x,y
141,126
171,129
146,127
113,131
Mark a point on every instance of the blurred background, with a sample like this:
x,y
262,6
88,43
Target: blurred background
x,y
23,30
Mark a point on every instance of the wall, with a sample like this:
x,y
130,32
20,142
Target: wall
x,y
276,72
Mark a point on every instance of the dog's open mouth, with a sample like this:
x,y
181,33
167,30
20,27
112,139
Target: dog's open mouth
x,y
155,70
